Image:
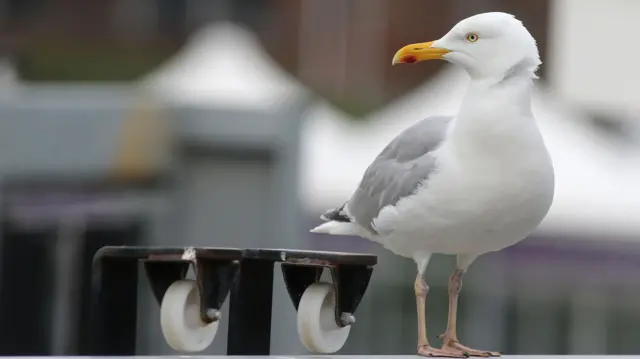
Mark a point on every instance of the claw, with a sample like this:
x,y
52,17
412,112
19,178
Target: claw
x,y
429,351
455,345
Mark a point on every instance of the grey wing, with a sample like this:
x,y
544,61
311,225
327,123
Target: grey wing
x,y
398,170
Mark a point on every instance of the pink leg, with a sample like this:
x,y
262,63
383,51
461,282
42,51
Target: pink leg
x,y
424,348
450,337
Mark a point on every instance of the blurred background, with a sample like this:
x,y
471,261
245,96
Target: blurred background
x,y
237,122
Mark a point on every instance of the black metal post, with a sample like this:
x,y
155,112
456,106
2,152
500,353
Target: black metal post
x,y
250,309
114,299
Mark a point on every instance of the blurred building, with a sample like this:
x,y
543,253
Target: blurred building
x,y
341,49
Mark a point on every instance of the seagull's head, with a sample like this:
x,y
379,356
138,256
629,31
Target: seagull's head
x,y
486,45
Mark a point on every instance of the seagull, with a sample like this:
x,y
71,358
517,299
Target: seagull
x,y
461,185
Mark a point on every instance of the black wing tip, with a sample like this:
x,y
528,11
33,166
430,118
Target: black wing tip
x,y
336,214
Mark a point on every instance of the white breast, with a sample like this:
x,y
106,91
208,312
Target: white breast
x,y
490,191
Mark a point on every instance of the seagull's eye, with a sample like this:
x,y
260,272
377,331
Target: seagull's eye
x,y
472,37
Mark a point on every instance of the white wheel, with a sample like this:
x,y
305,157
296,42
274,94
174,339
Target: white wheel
x,y
180,318
317,327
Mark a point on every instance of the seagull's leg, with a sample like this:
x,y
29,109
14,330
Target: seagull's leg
x,y
421,290
450,337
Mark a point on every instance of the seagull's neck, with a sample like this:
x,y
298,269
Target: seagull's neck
x,y
516,89
494,115
514,77
522,71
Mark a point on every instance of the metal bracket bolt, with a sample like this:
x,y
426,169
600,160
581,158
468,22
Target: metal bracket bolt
x,y
213,314
347,319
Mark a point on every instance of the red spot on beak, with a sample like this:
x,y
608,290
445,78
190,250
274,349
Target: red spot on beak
x,y
409,59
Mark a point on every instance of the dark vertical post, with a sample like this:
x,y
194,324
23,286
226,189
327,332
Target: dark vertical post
x,y
250,309
114,292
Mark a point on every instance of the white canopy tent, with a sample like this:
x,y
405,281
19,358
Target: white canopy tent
x,y
223,65
596,184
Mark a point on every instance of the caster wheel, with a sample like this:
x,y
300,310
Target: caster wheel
x,y
317,328
180,320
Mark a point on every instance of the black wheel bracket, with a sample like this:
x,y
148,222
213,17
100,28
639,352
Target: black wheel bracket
x,y
350,282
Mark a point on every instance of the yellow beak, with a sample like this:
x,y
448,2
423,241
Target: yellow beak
x,y
418,52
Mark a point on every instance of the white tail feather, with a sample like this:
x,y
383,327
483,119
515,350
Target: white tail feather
x,y
337,228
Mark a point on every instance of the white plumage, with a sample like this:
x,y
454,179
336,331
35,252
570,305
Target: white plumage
x,y
466,185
